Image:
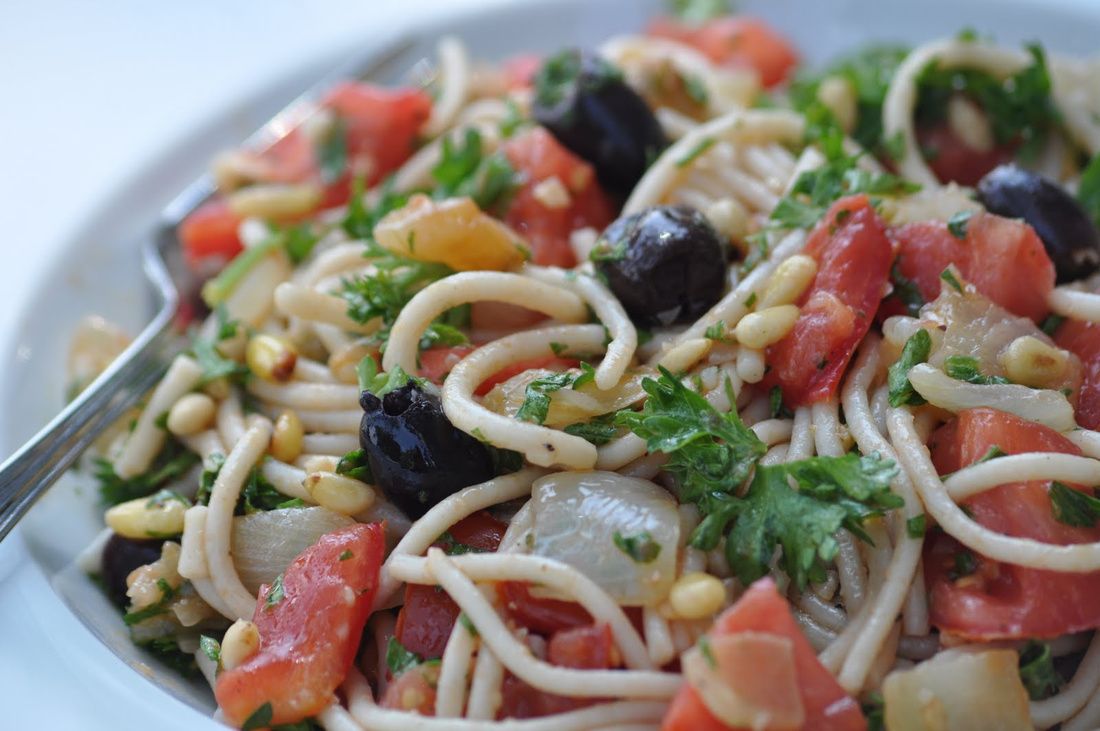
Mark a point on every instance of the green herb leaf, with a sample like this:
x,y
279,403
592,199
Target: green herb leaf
x,y
778,409
167,651
587,375
967,368
693,154
173,461
965,565
949,276
211,648
598,431
217,290
399,659
558,348
709,452
1051,324
906,290
464,170
167,594
992,453
332,151
916,350
466,622
260,718
275,593
1088,190
344,556
707,651
874,710
698,11
916,526
354,464
258,494
359,221
957,224
1073,507
381,383
1037,671
536,397
641,548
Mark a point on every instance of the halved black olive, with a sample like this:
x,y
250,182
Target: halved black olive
x,y
1070,237
665,264
416,455
120,557
583,100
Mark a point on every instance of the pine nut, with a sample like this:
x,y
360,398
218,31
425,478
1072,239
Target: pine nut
x,y
1031,362
241,641
836,93
270,358
159,516
729,218
191,414
339,493
969,123
286,437
697,595
761,329
791,278
275,200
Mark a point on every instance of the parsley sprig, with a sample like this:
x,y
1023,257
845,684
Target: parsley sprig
x,y
712,455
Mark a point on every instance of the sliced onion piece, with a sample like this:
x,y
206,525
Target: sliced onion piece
x,y
958,689
265,543
747,680
575,516
1050,408
567,405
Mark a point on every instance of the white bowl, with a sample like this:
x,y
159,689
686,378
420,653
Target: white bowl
x,y
56,670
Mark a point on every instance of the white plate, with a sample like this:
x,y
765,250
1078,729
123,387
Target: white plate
x,y
56,670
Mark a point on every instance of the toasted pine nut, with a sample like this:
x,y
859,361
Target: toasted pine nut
x,y
191,414
697,595
761,329
339,493
241,641
159,516
791,278
286,437
275,200
1031,362
729,218
270,358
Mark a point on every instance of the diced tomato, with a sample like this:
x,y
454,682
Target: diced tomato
x,y
498,317
537,156
741,42
310,635
589,647
210,231
1083,339
428,615
853,256
952,159
1003,258
414,690
545,616
382,126
519,71
1003,601
762,609
436,363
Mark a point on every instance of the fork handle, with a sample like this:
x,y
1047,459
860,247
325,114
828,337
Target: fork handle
x,y
26,475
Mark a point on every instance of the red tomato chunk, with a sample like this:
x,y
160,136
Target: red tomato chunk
x,y
740,42
1083,339
997,600
309,637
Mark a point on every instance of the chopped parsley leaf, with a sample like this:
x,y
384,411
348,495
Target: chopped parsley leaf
x,y
906,290
916,526
967,368
173,461
916,350
354,464
957,224
1037,671
275,593
399,659
260,718
641,548
949,276
1073,507
598,431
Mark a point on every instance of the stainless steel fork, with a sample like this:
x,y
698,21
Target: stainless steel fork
x,y
26,475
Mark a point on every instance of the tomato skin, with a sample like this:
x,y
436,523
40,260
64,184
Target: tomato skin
x,y
413,690
519,71
310,637
853,256
537,156
210,231
545,616
425,621
762,609
436,363
382,125
1083,340
1003,258
1003,601
742,42
953,160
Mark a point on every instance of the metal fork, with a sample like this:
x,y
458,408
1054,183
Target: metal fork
x,y
26,475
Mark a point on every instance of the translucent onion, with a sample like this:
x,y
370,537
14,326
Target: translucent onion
x,y
575,516
1050,408
958,689
265,543
567,405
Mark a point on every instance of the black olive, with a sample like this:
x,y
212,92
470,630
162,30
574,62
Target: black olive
x,y
583,100
120,557
416,455
665,264
1068,234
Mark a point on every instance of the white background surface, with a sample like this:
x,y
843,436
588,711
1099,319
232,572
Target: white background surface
x,y
95,91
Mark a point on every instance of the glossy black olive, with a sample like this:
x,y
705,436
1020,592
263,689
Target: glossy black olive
x,y
416,455
120,557
665,264
1068,234
583,100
